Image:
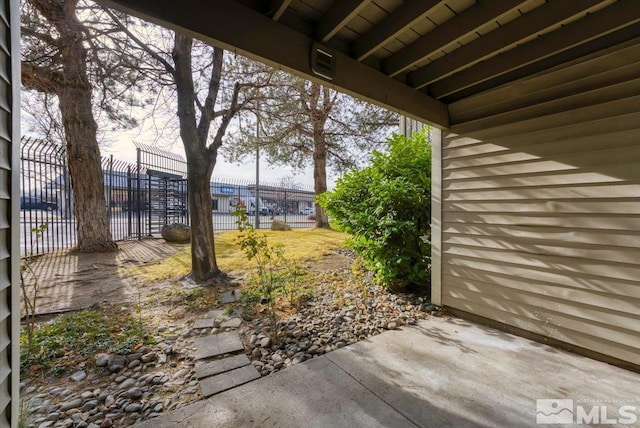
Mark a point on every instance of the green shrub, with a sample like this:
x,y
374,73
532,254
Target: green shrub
x,y
386,207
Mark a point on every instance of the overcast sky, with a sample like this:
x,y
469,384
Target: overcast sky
x,y
121,145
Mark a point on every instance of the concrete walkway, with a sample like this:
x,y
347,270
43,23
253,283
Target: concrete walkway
x,y
441,373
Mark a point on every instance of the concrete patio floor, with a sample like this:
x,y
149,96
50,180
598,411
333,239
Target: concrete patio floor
x,y
441,373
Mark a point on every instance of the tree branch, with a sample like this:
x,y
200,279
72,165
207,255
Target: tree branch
x,y
41,79
140,43
222,129
207,111
46,38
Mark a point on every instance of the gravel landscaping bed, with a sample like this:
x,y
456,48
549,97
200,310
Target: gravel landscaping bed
x,y
120,391
329,322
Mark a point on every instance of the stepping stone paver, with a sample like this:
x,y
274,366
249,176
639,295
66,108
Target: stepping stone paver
x,y
222,374
217,344
231,323
210,368
203,323
218,383
230,296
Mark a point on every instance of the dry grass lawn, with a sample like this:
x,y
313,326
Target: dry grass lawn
x,y
299,245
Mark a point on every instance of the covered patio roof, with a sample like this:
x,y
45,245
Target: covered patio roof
x,y
417,57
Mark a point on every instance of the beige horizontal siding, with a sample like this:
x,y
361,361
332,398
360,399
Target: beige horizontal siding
x,y
9,214
546,308
567,236
546,146
520,316
539,160
541,204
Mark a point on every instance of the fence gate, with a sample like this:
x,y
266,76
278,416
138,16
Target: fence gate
x,y
166,187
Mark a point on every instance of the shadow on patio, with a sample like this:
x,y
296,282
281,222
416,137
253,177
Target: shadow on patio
x,y
442,373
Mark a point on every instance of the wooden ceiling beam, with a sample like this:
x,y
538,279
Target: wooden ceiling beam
x,y
619,15
618,37
545,16
275,44
338,15
397,22
278,7
451,30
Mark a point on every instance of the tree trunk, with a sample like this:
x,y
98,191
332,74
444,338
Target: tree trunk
x,y
318,109
83,159
74,95
320,174
200,164
203,257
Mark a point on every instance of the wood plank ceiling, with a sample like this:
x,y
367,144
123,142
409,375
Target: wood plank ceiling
x,y
414,56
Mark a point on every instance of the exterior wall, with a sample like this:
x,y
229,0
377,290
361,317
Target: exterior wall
x,y
436,216
9,213
541,204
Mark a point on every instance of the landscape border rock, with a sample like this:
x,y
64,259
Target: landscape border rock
x,y
280,225
176,233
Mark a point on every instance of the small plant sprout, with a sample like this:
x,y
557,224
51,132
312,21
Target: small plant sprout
x,y
276,277
30,289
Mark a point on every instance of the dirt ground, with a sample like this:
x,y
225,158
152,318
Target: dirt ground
x,y
72,281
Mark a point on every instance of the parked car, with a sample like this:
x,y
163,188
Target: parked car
x,y
276,211
263,211
31,203
307,211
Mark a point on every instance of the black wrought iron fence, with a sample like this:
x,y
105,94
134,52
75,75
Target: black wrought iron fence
x,y
46,208
140,197
294,206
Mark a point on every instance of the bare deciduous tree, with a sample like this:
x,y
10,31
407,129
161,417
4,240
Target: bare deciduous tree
x,y
304,123
207,91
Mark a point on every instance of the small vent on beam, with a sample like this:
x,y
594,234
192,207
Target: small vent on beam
x,y
323,62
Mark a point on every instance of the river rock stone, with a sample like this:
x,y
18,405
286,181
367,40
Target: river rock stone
x,y
135,393
265,342
78,376
133,407
73,404
116,363
149,357
101,360
128,383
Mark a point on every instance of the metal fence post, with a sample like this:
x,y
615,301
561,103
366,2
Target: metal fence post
x,y
139,193
128,203
110,191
